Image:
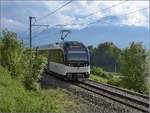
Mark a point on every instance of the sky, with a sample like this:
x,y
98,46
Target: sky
x,y
91,22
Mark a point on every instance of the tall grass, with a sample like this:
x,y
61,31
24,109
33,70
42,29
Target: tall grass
x,y
15,98
22,63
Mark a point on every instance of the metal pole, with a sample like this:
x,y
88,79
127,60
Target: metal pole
x,y
30,28
30,31
115,67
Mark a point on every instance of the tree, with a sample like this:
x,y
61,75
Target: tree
x,y
21,62
91,51
10,52
133,67
106,56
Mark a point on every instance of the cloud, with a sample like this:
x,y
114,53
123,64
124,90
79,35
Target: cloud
x,y
72,15
11,24
135,19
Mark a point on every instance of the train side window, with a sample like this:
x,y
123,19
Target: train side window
x,y
52,54
56,56
61,57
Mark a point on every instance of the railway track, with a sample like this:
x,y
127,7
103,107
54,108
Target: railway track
x,y
131,99
125,97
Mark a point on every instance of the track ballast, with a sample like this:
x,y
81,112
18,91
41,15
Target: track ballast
x,y
131,99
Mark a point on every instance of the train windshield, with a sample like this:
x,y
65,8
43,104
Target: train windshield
x,y
77,55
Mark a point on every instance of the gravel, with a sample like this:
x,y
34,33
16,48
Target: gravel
x,y
89,102
123,92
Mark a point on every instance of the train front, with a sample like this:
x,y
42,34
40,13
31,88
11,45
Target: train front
x,y
77,61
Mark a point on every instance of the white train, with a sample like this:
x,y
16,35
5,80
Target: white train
x,y
70,59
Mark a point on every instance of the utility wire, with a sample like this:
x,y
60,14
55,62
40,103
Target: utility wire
x,y
105,9
50,14
94,13
40,33
45,37
54,11
99,20
81,17
133,11
35,29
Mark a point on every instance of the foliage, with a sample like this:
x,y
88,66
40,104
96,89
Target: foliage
x,y
133,63
98,78
14,97
133,60
99,75
110,79
33,67
115,80
10,52
105,56
21,62
98,71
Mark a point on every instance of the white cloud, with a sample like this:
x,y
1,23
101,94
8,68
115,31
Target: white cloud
x,y
135,19
10,24
71,16
73,12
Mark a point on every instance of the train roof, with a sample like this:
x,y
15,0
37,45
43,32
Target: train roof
x,y
49,46
58,45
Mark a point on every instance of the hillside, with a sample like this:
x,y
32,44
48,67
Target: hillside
x,y
15,98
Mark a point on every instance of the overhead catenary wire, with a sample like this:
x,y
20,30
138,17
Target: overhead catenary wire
x,y
133,11
101,19
40,33
114,5
49,14
43,17
35,29
97,21
104,9
46,37
118,15
81,17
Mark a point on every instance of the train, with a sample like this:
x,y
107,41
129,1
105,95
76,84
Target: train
x,y
69,60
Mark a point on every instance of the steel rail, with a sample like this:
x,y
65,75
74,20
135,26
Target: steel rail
x,y
115,96
123,90
112,95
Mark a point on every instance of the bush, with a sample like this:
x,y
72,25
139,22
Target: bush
x,y
133,67
10,53
34,65
21,62
99,72
14,98
98,78
114,81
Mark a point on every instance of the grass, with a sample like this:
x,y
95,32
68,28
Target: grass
x,y
113,80
98,78
15,98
